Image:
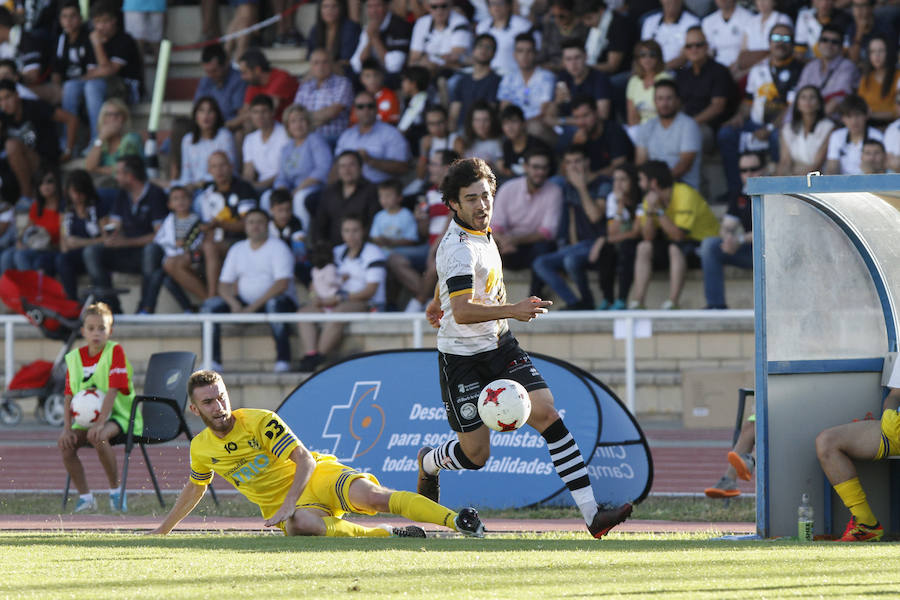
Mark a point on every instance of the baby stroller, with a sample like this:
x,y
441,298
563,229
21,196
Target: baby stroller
x,y
43,302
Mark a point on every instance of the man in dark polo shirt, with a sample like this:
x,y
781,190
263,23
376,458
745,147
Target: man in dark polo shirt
x,y
31,137
606,142
350,194
136,213
706,87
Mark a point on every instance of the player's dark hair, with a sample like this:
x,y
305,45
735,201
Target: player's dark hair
x,y
254,57
659,171
262,100
214,52
463,173
134,164
199,379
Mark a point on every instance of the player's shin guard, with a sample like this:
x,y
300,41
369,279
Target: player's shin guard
x,y
569,464
335,527
854,498
419,508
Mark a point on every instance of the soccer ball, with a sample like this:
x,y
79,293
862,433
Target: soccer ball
x,y
85,407
503,405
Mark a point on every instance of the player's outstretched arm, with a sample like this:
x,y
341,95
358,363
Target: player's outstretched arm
x,y
306,464
466,312
189,497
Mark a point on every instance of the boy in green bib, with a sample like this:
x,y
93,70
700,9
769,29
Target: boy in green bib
x,y
102,365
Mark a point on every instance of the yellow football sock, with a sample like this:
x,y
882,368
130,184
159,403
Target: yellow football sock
x,y
335,527
854,498
418,508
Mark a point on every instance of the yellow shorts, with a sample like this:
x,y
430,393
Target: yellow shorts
x,y
328,489
890,435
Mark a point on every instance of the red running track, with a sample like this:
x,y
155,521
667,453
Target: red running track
x,y
684,461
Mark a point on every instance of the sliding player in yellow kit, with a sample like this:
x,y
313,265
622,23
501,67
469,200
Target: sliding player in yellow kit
x,y
298,491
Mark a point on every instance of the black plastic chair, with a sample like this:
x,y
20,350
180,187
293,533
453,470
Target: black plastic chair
x,y
162,405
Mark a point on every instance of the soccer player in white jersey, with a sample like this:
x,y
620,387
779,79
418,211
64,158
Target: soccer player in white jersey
x,y
476,347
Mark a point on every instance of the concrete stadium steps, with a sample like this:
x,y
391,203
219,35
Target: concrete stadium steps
x,y
675,349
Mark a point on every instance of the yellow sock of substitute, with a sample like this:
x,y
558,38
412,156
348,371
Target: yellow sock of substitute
x,y
419,508
335,527
854,498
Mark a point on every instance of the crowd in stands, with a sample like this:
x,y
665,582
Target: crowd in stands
x,y
596,115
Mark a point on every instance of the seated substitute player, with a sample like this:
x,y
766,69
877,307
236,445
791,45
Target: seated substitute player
x,y
298,491
837,447
475,347
741,463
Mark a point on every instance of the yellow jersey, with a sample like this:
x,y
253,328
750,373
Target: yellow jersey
x,y
254,457
689,212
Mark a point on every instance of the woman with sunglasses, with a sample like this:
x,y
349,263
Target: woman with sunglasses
x,y
646,70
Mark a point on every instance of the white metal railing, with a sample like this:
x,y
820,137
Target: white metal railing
x,y
416,322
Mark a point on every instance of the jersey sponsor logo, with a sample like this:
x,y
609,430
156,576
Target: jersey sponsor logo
x,y
88,372
118,371
356,425
249,469
253,443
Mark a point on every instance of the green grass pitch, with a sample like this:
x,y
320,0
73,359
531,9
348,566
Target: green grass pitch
x,y
255,566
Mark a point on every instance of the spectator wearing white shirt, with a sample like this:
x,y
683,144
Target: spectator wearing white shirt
x,y
724,30
262,148
504,26
810,22
845,144
668,28
892,141
386,38
361,266
755,39
258,276
530,88
440,39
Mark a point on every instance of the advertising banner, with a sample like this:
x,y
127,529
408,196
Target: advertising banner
x,y
374,411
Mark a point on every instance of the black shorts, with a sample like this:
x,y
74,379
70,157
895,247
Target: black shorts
x,y
463,377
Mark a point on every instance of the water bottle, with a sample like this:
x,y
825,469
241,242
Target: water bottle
x,y
805,520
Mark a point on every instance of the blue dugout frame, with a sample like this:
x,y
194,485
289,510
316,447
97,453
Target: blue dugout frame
x,y
805,190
